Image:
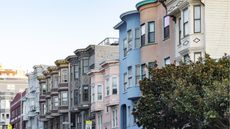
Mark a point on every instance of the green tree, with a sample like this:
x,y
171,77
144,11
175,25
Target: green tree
x,y
194,96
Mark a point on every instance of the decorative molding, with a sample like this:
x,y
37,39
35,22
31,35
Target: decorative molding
x,y
185,43
196,40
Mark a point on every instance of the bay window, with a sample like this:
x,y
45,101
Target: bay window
x,y
129,76
85,93
125,47
115,118
137,74
107,86
64,75
137,38
130,37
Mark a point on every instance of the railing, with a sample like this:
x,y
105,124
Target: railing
x,y
109,41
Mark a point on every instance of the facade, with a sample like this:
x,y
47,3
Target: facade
x,y
105,95
11,82
16,111
202,26
157,35
80,65
129,56
31,107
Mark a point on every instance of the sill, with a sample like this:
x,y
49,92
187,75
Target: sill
x,y
166,38
149,44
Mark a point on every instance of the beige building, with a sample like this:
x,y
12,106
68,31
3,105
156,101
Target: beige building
x,y
11,82
202,26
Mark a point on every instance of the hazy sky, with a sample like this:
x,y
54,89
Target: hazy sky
x,y
41,31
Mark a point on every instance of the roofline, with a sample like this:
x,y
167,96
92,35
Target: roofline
x,y
124,15
145,2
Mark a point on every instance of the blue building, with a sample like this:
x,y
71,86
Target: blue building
x,y
129,49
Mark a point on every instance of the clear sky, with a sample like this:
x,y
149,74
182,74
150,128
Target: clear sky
x,y
41,31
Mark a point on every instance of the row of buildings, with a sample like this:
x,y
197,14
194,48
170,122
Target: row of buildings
x,y
98,86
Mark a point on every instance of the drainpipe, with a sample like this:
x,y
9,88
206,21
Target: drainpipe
x,y
69,96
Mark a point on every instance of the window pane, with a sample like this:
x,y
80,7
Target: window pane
x,y
186,29
166,21
99,92
137,38
197,12
114,85
185,15
143,29
197,55
167,61
151,27
197,26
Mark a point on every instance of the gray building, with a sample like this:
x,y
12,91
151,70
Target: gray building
x,y
80,65
11,82
31,107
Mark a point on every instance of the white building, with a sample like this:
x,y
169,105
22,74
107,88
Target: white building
x,y
31,100
11,82
202,26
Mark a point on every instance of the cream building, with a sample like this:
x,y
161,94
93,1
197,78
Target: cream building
x,y
11,82
201,26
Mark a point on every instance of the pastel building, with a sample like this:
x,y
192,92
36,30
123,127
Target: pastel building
x,y
31,107
129,57
80,64
202,26
105,95
157,35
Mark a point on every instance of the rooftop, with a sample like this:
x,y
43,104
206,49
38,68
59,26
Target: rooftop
x,y
145,2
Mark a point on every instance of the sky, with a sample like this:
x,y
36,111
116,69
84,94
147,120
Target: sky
x,y
41,31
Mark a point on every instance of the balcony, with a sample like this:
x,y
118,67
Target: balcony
x,y
97,106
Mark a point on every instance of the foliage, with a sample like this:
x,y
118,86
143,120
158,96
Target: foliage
x,y
194,96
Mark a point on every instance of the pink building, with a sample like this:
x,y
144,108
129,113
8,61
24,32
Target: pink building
x,y
105,95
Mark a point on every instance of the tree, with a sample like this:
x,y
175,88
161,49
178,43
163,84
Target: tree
x,y
194,96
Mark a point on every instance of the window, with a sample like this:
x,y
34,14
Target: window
x,y
197,56
143,71
44,109
76,97
125,47
64,75
167,61
49,105
115,118
55,81
129,115
114,85
48,84
85,93
129,76
5,104
151,32
93,93
44,89
179,26
99,121
76,71
137,38
197,19
125,81
55,102
64,98
137,73
107,87
142,34
166,27
85,66
99,92
186,59
185,23
130,37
